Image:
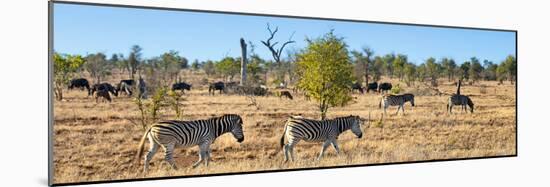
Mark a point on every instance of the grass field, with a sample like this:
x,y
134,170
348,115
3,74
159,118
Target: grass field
x,y
96,141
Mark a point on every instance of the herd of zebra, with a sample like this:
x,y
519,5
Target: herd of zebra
x,y
202,133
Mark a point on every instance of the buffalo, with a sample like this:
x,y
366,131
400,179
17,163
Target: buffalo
x,y
384,87
372,86
181,86
357,86
216,86
103,87
286,94
79,83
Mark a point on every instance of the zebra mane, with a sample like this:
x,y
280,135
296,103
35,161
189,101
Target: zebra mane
x,y
345,125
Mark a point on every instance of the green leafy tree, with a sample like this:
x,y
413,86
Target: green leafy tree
x,y
327,72
388,64
64,68
508,69
209,68
409,71
195,66
134,61
421,72
449,67
358,65
475,69
433,70
464,69
228,67
98,66
399,64
377,68
170,65
490,70
255,67
363,62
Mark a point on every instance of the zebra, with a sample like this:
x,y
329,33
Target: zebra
x,y
299,128
171,134
126,86
393,100
462,100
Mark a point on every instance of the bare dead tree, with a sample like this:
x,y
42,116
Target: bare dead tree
x,y
243,62
276,53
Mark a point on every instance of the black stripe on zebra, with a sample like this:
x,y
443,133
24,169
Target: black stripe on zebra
x,y
172,133
299,128
462,100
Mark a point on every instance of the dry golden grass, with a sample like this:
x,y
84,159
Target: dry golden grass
x,y
98,142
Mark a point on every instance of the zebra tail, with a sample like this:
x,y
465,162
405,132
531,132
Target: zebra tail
x,y
141,145
283,136
380,104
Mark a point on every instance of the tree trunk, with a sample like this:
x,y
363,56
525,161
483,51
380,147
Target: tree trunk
x,y
58,94
367,74
243,62
323,107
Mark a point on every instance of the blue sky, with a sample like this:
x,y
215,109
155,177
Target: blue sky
x,y
84,29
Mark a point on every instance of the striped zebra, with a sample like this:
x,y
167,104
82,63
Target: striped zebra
x,y
396,100
171,134
298,128
462,100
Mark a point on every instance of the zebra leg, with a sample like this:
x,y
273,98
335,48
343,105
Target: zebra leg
x,y
285,150
152,150
325,145
203,154
335,145
207,156
290,148
398,107
168,155
201,158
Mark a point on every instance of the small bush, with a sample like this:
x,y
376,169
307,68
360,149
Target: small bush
x,y
378,124
396,89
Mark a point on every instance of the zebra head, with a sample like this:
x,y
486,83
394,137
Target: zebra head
x,y
471,105
410,98
237,123
356,123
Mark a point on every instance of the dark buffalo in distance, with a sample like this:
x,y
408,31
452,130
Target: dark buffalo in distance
x,y
103,87
372,86
216,86
181,86
384,87
357,86
79,83
104,94
126,86
286,94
